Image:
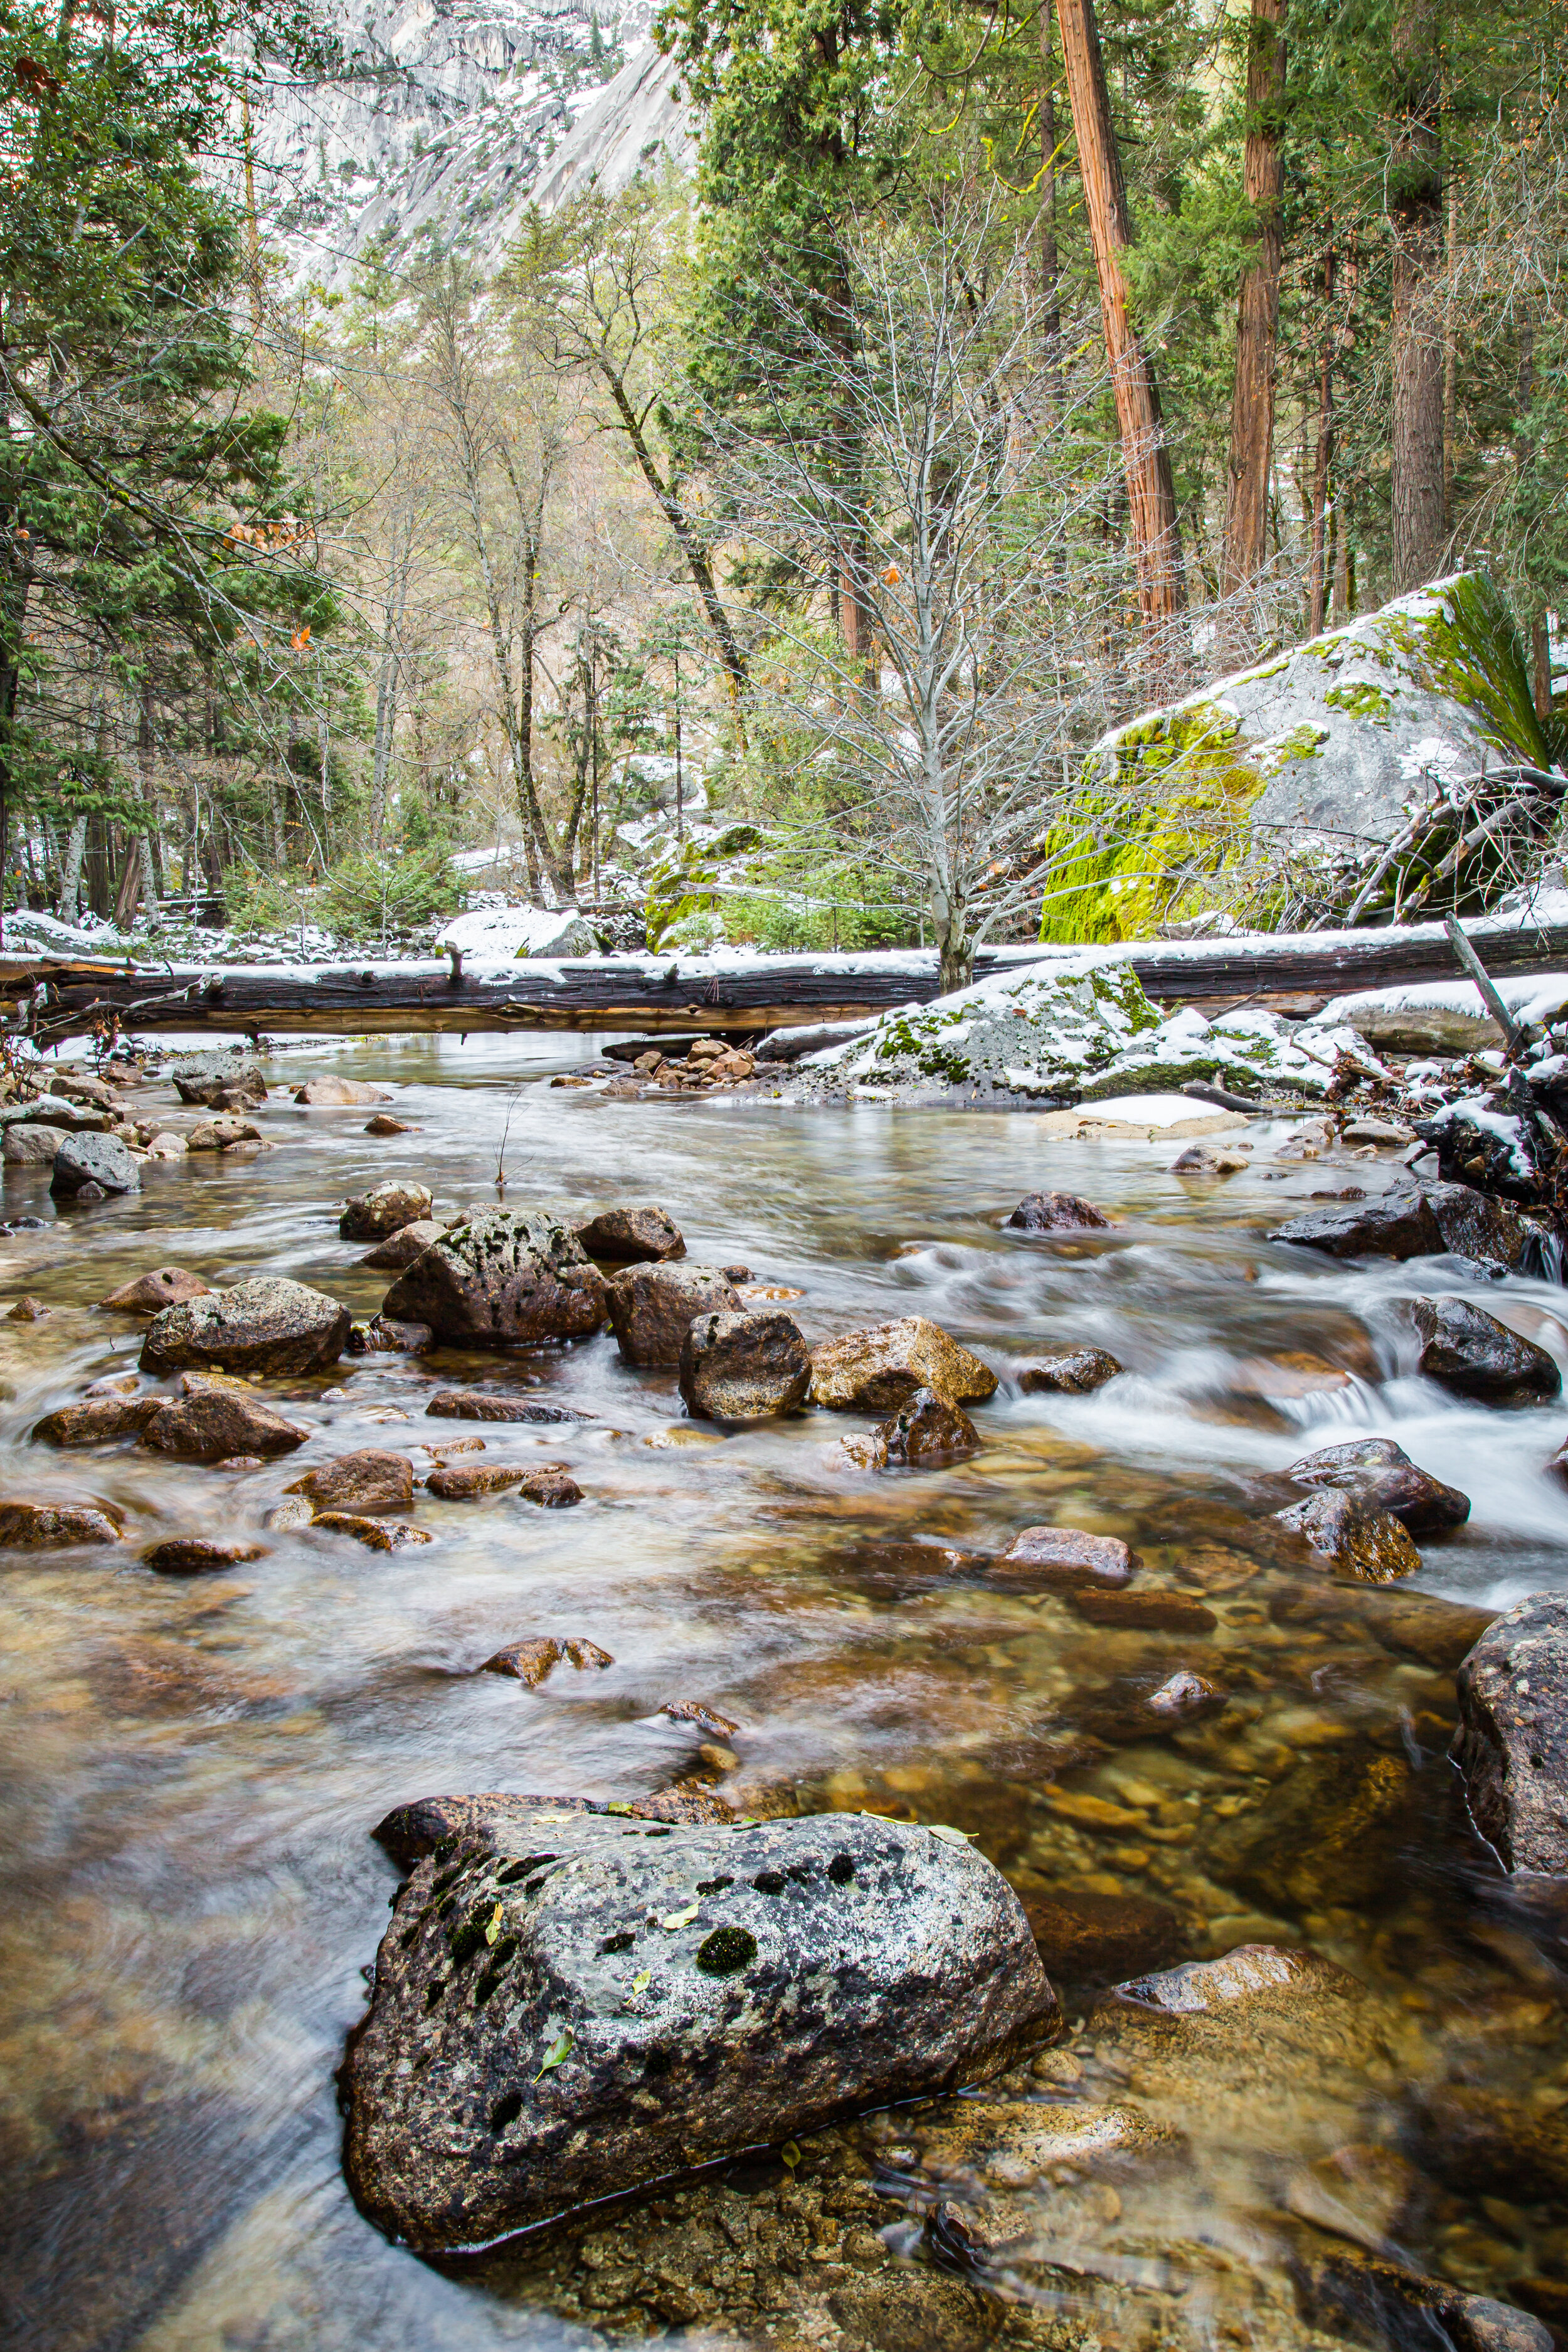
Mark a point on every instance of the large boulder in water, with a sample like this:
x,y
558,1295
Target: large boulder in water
x,y
1512,1742
386,1208
501,1280
264,1325
100,1159
1381,1474
1413,1220
652,1307
743,1366
619,2003
1469,1352
881,1368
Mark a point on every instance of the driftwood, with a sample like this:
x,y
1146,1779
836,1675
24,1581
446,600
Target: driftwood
x,y
51,999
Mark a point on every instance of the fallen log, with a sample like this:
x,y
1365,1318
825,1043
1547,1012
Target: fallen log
x,y
52,999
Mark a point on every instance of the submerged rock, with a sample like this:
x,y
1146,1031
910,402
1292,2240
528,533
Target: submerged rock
x,y
376,1534
382,1336
631,1236
1373,2298
335,1094
386,1209
1327,1833
1381,1474
1467,1351
484,1404
1357,1538
1147,1612
402,1246
1065,1559
499,1822
1071,1370
652,1307
93,1421
29,1525
1056,1213
1512,1742
1081,1935
876,1369
198,1555
921,1435
263,1324
217,1424
165,1286
591,2018
369,1480
743,1366
101,1160
530,1662
499,1280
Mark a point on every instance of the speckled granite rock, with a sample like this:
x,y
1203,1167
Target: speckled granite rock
x,y
502,1278
264,1325
1513,1741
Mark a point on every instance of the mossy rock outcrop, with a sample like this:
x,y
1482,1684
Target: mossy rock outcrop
x,y
1312,753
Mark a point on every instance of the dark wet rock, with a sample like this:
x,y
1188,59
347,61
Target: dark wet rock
x,y
401,1248
338,1093
368,1480
652,1307
465,1480
1481,2139
631,1236
1499,1163
501,1280
220,1082
1086,1938
199,1555
700,1715
921,1435
165,1286
1325,1834
1381,1474
1065,1559
216,1423
1401,1225
1146,1611
23,1224
499,1822
31,1146
376,1534
221,1134
88,1193
93,1421
551,1485
1359,1541
1470,1353
1477,1225
386,1208
1512,1742
385,1124
744,1367
1142,1707
736,1273
1374,2299
29,1310
382,1336
1419,1625
888,1963
1073,1371
1055,1213
531,1661
101,1160
879,1369
28,1524
263,1324
484,1404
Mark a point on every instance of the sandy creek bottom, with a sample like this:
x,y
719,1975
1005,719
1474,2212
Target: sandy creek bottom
x,y
193,1767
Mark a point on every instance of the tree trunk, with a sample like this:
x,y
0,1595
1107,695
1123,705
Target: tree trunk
x,y
1318,586
70,877
1051,256
1257,315
386,682
1156,534
1541,665
1416,219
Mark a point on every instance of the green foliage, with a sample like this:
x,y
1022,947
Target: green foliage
x,y
370,897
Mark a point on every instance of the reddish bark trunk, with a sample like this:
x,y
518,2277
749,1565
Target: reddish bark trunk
x,y
1415,218
1257,306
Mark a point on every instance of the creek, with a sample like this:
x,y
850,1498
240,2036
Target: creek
x,y
193,1766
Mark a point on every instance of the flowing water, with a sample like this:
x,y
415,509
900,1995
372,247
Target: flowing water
x,y
194,1767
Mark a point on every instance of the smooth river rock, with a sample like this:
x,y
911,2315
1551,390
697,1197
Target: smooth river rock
x,y
1358,1540
149,1294
1064,1559
1470,1352
338,1093
101,1160
31,1146
1513,1741
652,1307
879,1369
1070,1371
743,1366
923,1434
368,1480
93,1421
1381,1474
264,1325
29,1523
217,1423
631,1236
386,1208
1414,1220
496,1822
619,2005
1056,1213
199,1555
503,1279
484,1404
401,1248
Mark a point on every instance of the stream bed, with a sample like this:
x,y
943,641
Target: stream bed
x,y
193,1766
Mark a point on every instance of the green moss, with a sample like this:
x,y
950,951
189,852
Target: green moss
x,y
1365,701
1469,648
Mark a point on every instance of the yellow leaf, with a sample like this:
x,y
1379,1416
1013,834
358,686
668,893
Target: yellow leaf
x,y
641,1983
681,1918
493,1930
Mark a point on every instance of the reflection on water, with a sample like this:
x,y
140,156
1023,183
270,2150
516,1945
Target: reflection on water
x,y
193,1768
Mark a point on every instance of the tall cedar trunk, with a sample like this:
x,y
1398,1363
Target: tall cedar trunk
x,y
1051,256
387,675
1539,635
1257,311
1323,462
1415,218
1152,497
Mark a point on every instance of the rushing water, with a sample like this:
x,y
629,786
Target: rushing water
x,y
194,1767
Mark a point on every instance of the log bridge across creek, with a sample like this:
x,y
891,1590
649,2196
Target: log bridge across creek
x,y
52,998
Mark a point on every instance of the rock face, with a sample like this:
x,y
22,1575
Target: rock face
x,y
370,1480
877,1370
338,1093
101,1160
614,2006
216,1423
1366,1543
631,1236
166,1286
264,1325
31,1146
921,1435
1512,1742
501,1280
401,1248
652,1307
1423,1221
743,1366
1070,1371
1055,1213
1065,1559
28,1525
1381,1474
93,1420
1469,1352
386,1208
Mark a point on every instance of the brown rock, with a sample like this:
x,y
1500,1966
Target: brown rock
x,y
217,1424
1381,1475
402,1247
264,1325
483,1404
376,1534
337,1094
1512,1744
527,1662
166,1286
1324,1835
28,1310
1371,1545
1063,1559
1470,1353
1089,1937
1145,1612
1069,1369
1481,2138
292,1512
1437,1631
743,1366
499,1280
199,1555
652,1307
93,1421
222,1134
879,1369
368,1480
1370,2298
583,1654
552,1487
386,1209
460,1484
29,1525
31,1145
631,1236
382,1336
921,1435
1055,1213
707,1718
1128,1710
385,1124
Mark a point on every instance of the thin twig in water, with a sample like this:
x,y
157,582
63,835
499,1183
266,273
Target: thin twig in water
x,y
501,1156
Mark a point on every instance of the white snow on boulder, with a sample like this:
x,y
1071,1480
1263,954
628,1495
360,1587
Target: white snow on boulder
x,y
500,935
